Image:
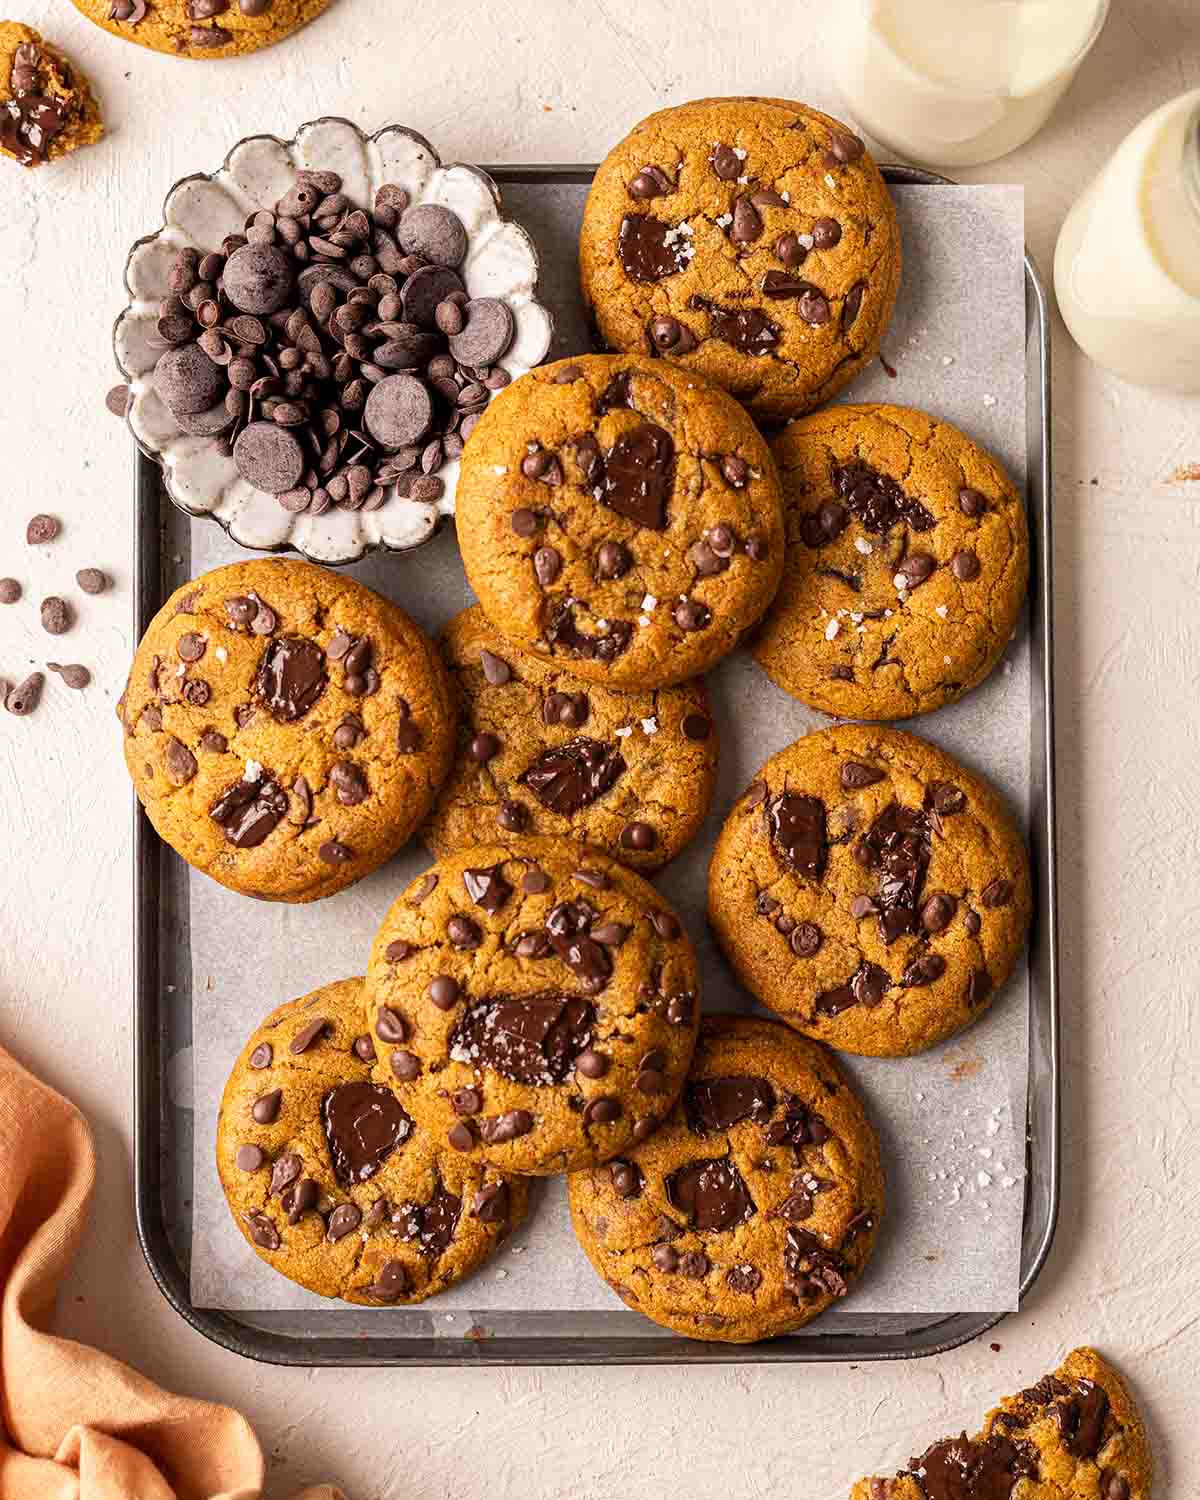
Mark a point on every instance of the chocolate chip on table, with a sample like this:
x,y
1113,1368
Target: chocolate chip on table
x,y
10,590
487,333
42,528
57,615
24,698
73,675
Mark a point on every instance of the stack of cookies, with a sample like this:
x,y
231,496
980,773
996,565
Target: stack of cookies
x,y
531,1005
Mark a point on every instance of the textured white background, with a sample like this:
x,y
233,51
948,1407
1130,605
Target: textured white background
x,y
556,80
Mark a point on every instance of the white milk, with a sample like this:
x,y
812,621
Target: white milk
x,y
1127,267
956,82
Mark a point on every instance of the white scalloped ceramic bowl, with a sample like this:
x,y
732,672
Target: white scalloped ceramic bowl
x,y
200,211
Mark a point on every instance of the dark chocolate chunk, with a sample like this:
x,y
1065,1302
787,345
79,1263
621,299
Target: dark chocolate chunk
x,y
796,825
571,776
363,1125
712,1194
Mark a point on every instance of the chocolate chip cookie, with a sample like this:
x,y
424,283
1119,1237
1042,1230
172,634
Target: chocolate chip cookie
x,y
871,890
536,1002
907,563
540,751
752,241
286,728
328,1178
1076,1432
47,108
202,28
757,1204
621,518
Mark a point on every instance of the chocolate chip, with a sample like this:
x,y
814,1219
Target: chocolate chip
x,y
665,1259
406,1066
613,560
491,1203
997,893
845,148
643,1129
433,232
747,225
924,970
390,1025
257,278
10,590
269,457
855,775
1113,1486
333,852
443,991
806,939
390,1284
665,925
696,726
602,1111
650,182
286,1170
463,933
523,521
343,1221
743,1278
535,882
972,503
937,912
250,1158
42,529
547,565
790,251
691,615
73,676
979,986
972,922
488,332
670,336
965,565
914,570
626,1179
591,1064
118,400
262,1055
498,1129
483,747
180,763
262,1231
496,670
57,615
945,798
265,1108
726,162
826,233
568,777
461,1137
638,836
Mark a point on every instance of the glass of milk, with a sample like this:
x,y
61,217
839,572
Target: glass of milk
x,y
952,83
1127,266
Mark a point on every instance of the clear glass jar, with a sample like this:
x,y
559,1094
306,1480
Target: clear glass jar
x,y
1127,265
952,83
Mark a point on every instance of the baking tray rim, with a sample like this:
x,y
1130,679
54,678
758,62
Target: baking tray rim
x,y
926,1338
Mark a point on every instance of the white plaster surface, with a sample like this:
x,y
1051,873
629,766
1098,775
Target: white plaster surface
x,y
556,80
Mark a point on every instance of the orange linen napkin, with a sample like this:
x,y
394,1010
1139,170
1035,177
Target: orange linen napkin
x,y
74,1423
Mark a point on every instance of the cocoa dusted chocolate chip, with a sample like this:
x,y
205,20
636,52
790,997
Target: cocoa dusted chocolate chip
x,y
486,334
57,615
10,590
42,529
269,457
74,675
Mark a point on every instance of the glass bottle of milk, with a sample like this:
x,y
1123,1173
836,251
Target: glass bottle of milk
x,y
1127,266
952,83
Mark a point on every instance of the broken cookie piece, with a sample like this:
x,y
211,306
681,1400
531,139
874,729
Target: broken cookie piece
x,y
1076,1432
46,105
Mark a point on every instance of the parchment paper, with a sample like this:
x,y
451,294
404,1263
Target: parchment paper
x,y
952,1120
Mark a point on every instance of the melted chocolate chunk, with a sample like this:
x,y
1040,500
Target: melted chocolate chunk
x,y
796,825
618,393
291,678
637,474
810,1270
867,987
649,249
363,1125
29,121
799,1126
533,1039
1081,1419
719,1103
958,1469
250,810
431,1225
568,929
713,1194
877,500
897,845
748,329
564,631
573,775
487,887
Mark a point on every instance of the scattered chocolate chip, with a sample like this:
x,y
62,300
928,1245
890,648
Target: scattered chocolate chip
x,y
73,676
826,233
57,615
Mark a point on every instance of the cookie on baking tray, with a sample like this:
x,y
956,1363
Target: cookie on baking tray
x,y
536,1002
328,1178
47,109
541,751
907,563
285,727
870,890
620,517
751,241
757,1204
202,28
1076,1432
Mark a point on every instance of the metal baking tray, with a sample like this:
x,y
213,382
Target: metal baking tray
x,y
344,1335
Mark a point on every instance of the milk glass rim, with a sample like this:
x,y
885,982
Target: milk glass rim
x,y
1104,7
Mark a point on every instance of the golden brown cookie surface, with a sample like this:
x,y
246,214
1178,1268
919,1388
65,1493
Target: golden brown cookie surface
x,y
907,563
537,1004
286,728
330,1181
752,241
870,890
621,518
1076,1432
543,752
755,1206
46,104
202,28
